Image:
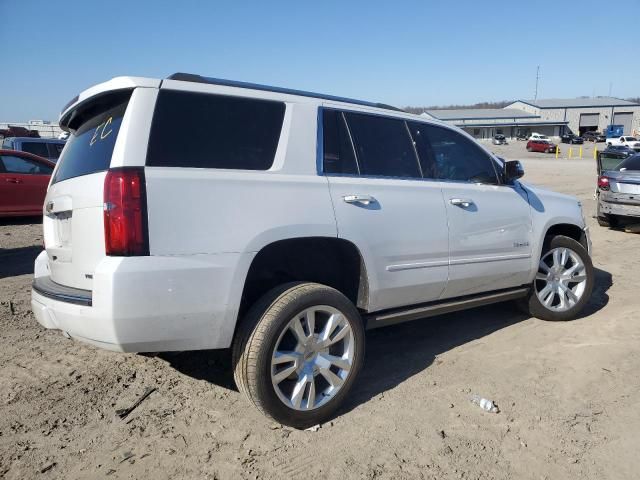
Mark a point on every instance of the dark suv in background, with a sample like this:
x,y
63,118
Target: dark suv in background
x,y
48,148
593,137
571,138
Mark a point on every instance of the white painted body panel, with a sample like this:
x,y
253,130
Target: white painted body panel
x,y
402,237
490,240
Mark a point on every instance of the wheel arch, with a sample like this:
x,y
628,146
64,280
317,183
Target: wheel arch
x,y
330,261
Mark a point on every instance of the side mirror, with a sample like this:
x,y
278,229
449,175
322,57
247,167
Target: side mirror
x,y
511,171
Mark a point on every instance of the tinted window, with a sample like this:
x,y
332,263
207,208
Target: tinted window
x,y
24,166
423,147
94,132
383,146
55,149
338,151
36,148
457,158
631,163
213,131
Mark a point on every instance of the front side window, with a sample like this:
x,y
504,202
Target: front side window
x,y
339,156
383,146
200,130
36,148
457,158
18,165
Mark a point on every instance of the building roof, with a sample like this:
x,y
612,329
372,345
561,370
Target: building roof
x,y
580,102
480,114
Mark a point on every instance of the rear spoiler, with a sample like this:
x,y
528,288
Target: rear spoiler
x,y
117,83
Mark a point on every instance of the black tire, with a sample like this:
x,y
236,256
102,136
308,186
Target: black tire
x,y
256,340
533,305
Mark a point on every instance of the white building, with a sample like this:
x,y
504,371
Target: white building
x,y
585,114
487,122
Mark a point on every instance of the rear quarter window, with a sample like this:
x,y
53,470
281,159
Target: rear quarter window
x,y
94,132
200,130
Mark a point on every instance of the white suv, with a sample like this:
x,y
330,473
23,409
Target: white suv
x,y
194,213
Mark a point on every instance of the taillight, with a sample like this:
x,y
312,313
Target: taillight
x,y
603,183
125,213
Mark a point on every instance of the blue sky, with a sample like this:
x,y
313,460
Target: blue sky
x,y
398,52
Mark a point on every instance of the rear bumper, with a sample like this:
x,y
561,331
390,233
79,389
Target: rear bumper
x,y
147,304
619,208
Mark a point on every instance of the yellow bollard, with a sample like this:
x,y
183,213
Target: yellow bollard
x,y
580,152
595,153
570,152
557,151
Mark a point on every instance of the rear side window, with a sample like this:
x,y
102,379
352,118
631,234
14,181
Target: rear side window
x,y
200,130
383,146
338,151
94,129
37,148
631,163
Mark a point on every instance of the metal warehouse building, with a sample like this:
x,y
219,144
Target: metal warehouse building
x,y
585,114
487,122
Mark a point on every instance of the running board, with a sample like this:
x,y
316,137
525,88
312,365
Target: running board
x,y
416,312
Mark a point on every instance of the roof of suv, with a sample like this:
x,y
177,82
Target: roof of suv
x,y
190,77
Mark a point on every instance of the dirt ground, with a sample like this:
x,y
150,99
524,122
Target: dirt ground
x,y
568,392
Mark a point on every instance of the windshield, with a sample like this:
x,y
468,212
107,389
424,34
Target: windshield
x,y
632,139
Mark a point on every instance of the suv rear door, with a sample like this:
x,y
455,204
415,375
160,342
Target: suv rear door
x,y
23,183
73,222
384,206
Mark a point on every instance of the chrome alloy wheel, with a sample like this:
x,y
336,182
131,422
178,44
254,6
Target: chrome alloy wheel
x,y
312,358
561,279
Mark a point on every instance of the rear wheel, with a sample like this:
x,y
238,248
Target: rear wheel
x,y
300,351
564,280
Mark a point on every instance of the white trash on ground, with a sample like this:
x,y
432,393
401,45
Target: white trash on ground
x,y
485,404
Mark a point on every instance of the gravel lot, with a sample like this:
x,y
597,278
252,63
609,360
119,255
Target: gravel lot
x,y
568,392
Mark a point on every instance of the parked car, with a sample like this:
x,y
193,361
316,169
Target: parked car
x,y
541,146
571,138
593,137
500,140
618,189
48,148
282,231
522,136
23,183
539,136
625,140
623,150
14,131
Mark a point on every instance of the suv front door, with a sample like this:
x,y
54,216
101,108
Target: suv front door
x,y
490,231
383,205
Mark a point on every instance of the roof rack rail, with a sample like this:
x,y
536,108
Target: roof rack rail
x,y
190,77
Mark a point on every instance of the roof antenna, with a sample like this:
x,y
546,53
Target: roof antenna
x,y
535,96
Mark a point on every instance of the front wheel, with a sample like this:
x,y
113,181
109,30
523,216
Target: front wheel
x,y
564,280
299,352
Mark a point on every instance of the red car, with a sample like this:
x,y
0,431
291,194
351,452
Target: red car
x,y
23,183
541,146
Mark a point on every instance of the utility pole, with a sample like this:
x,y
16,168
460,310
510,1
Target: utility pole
x,y
535,96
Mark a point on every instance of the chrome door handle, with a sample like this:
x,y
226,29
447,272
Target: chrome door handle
x,y
13,180
363,199
461,202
